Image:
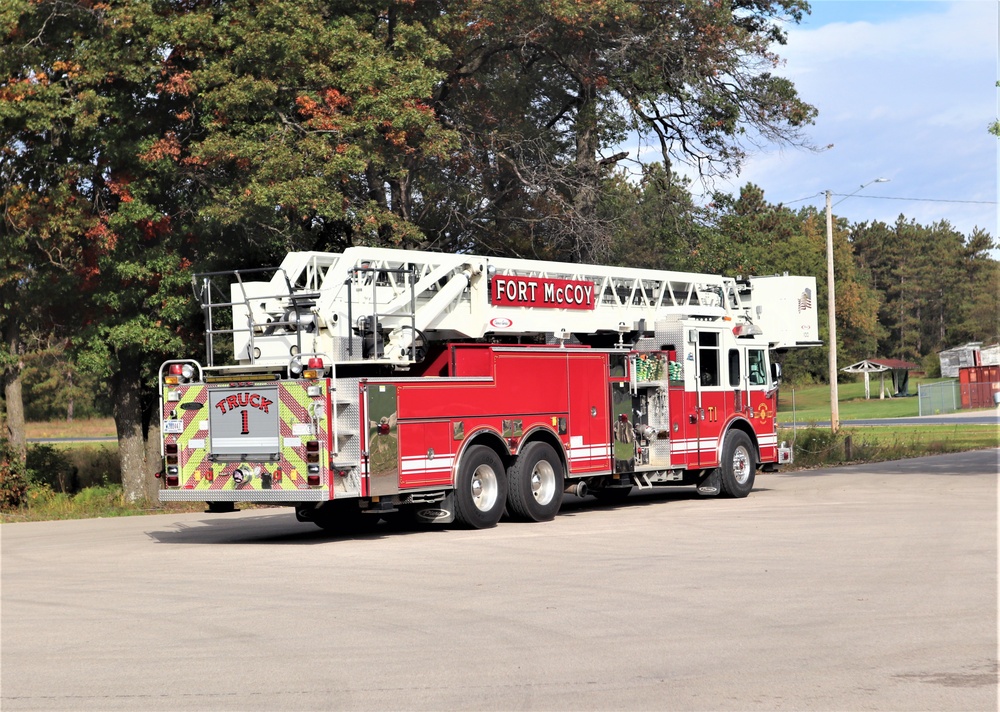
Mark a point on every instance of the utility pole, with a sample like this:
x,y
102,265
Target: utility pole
x,y
832,302
831,310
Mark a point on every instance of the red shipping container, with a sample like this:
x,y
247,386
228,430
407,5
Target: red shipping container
x,y
978,384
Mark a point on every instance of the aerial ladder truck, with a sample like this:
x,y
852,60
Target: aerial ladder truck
x,y
376,383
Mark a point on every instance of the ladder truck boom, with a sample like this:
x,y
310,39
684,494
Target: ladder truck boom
x,y
331,303
456,387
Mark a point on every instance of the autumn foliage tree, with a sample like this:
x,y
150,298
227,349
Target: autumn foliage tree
x,y
145,141
543,94
144,138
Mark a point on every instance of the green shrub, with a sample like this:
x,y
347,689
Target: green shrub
x,y
95,465
49,466
97,498
13,477
815,442
73,469
932,365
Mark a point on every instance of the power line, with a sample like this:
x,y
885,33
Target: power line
x,y
808,197
917,200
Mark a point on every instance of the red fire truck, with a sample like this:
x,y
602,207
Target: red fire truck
x,y
453,388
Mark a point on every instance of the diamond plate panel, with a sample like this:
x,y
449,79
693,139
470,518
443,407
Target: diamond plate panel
x,y
659,452
348,419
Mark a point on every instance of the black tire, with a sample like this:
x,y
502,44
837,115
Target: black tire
x,y
612,495
480,488
535,484
221,507
738,466
344,518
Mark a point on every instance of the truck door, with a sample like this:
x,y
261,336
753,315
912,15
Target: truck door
x,y
762,402
711,398
590,423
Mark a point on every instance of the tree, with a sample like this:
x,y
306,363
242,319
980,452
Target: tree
x,y
939,286
39,171
304,119
543,93
751,236
142,139
978,313
654,223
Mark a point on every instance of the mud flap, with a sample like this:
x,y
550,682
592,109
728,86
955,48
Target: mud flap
x,y
442,512
710,483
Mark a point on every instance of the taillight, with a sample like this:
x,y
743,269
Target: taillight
x,y
178,373
172,480
312,451
315,368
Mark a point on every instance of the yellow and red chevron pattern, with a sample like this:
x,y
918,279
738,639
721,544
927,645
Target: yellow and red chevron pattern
x,y
186,424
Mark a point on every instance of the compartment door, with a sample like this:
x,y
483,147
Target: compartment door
x,y
589,414
382,443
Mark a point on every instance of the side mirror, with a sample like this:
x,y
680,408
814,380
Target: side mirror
x,y
775,380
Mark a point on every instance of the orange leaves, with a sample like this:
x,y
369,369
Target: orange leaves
x,y
167,147
178,84
119,189
102,237
71,69
323,116
18,89
335,99
154,229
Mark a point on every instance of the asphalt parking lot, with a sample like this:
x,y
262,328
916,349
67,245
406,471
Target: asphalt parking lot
x,y
860,588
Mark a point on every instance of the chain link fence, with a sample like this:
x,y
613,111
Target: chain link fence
x,y
937,398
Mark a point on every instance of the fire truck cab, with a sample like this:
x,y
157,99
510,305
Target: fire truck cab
x,y
453,388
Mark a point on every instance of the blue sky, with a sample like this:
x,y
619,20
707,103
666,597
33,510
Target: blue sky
x,y
905,91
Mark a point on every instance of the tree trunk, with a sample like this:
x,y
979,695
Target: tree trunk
x,y
126,385
13,421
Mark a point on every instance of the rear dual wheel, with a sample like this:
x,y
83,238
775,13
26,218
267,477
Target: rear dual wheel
x,y
535,483
480,488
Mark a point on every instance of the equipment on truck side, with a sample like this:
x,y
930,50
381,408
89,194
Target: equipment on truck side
x,y
378,382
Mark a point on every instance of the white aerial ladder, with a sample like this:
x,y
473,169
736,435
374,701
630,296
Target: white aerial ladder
x,y
384,306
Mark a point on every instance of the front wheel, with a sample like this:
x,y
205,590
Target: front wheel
x,y
535,483
480,488
738,466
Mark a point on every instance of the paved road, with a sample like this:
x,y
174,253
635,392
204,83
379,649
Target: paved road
x,y
866,587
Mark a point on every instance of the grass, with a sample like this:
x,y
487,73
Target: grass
x,y
812,403
101,501
92,428
815,447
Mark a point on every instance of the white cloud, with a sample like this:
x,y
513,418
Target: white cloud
x,y
907,98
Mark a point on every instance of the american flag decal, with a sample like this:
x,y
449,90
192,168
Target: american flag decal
x,y
806,300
